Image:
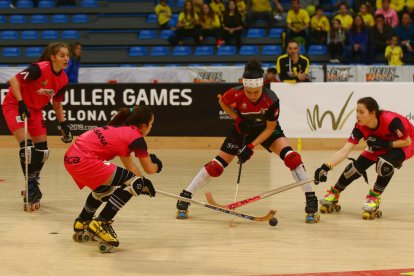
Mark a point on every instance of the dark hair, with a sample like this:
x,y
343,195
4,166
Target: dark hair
x,y
379,16
370,104
72,50
354,28
271,70
51,50
134,116
332,32
253,70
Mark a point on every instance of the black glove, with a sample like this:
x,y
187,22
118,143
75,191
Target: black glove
x,y
375,143
143,186
23,111
245,153
242,126
66,133
321,174
155,160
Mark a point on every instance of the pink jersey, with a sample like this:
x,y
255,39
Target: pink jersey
x,y
266,109
108,142
391,126
38,93
391,17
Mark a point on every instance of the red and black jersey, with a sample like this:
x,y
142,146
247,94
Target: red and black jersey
x,y
391,126
256,114
39,84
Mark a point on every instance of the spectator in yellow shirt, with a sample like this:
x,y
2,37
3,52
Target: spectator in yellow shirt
x,y
188,24
210,23
319,27
259,9
163,12
394,53
218,7
366,15
344,17
297,23
241,7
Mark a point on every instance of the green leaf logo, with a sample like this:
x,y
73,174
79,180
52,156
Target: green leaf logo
x,y
315,121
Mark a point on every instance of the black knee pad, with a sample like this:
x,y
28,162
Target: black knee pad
x,y
103,192
384,168
34,155
121,176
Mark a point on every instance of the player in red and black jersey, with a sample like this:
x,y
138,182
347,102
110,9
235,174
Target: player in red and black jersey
x,y
389,137
29,91
255,110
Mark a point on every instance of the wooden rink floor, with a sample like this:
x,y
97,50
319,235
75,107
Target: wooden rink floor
x,y
154,242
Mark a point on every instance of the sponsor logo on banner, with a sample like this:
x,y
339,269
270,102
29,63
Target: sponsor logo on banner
x,y
381,73
316,120
206,77
339,74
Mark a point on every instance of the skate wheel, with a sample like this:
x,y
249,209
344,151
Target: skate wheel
x,y
378,213
182,214
77,236
86,237
316,218
308,218
366,215
105,248
337,208
323,209
330,209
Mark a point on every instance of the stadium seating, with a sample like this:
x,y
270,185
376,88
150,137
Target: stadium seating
x,y
11,52
70,34
59,18
17,19
272,50
46,4
24,4
137,51
249,50
204,51
80,18
34,51
158,51
8,35
255,33
147,34
50,34
317,50
226,50
39,19
182,51
29,34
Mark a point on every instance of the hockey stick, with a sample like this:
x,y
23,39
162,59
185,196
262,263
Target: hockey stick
x,y
26,166
238,178
240,203
267,217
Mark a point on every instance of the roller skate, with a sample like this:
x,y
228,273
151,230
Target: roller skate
x,y
371,206
104,233
330,202
35,195
311,208
182,206
79,227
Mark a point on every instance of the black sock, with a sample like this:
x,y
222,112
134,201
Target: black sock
x,y
90,208
116,201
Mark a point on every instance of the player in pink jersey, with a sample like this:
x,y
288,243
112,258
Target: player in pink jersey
x,y
389,138
255,111
87,161
29,91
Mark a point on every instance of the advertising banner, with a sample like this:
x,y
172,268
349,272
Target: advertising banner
x,y
180,109
327,110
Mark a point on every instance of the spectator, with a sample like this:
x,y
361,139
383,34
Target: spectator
x,y
232,24
379,37
405,32
319,27
410,8
241,7
344,17
270,76
358,41
309,6
198,5
210,24
163,12
394,53
187,25
336,41
259,9
218,7
74,62
390,15
366,15
292,67
297,23
337,4
397,5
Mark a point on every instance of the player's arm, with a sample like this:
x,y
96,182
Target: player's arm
x,y
31,73
270,127
130,165
58,108
228,109
147,164
397,127
340,155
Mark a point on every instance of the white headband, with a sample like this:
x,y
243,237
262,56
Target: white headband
x,y
253,83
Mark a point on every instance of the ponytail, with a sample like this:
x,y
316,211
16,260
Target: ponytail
x,y
134,116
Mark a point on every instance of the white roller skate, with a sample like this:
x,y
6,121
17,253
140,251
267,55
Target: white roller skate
x,y
182,206
330,201
370,207
103,232
34,196
79,227
311,208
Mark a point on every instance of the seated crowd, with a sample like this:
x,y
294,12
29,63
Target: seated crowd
x,y
356,32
